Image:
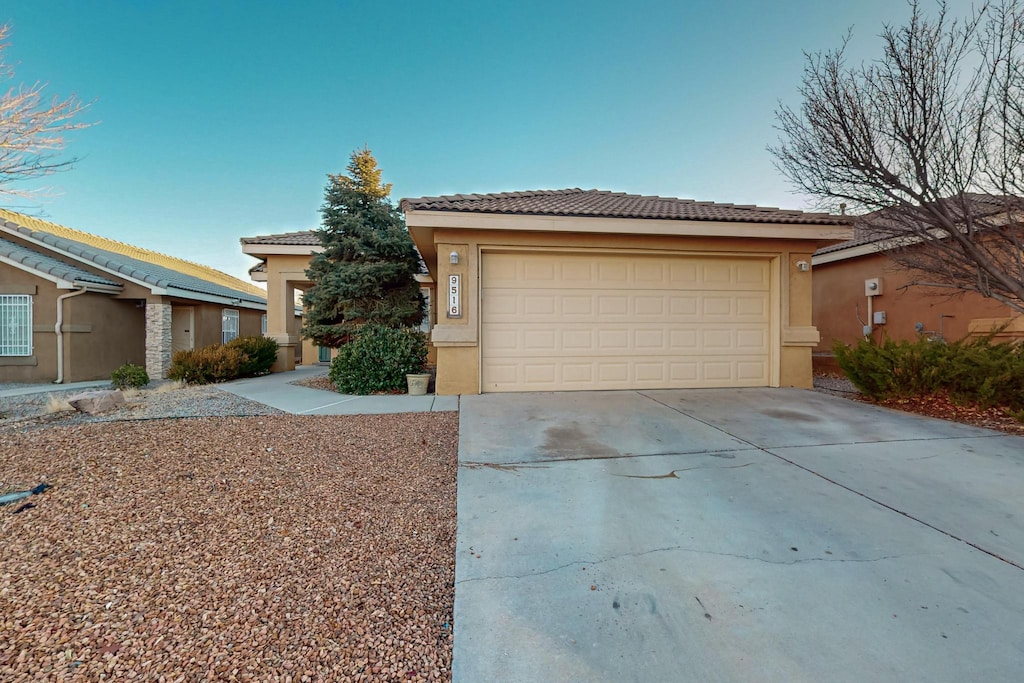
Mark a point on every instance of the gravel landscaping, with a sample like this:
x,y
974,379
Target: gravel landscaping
x,y
939,406
166,400
274,547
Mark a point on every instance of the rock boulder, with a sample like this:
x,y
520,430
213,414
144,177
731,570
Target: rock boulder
x,y
94,402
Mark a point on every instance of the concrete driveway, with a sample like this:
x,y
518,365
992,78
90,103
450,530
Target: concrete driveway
x,y
734,535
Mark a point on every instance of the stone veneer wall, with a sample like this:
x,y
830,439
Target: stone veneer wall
x,y
158,340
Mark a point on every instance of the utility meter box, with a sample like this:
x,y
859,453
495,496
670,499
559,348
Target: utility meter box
x,y
873,286
879,317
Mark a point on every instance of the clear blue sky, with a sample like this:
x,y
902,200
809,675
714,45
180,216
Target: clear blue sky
x,y
219,120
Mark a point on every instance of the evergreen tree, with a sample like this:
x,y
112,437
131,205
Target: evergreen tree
x,y
366,272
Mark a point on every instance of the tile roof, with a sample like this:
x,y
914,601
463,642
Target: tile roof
x,y
151,267
601,203
304,238
49,265
979,205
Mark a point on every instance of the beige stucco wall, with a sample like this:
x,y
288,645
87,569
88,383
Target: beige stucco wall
x,y
457,339
286,275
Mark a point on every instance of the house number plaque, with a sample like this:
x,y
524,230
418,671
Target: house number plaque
x,y
454,310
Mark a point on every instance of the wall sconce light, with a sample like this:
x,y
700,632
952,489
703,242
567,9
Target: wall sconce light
x,y
803,266
454,257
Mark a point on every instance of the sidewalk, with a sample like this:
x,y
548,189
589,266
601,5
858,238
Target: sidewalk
x,y
50,387
276,390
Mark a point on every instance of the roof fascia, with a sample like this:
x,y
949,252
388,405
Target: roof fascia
x,y
264,250
635,226
61,283
212,298
848,253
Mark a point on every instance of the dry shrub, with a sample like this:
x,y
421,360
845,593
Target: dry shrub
x,y
56,404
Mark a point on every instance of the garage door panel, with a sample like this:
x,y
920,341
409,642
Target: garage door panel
x,y
613,371
753,273
555,322
508,340
532,271
752,308
610,306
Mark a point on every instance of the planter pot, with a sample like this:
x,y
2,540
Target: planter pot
x,y
418,384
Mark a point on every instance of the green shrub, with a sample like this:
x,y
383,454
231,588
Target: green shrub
x,y
129,376
260,352
969,370
216,363
377,360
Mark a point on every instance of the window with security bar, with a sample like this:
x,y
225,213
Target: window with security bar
x,y
228,325
15,325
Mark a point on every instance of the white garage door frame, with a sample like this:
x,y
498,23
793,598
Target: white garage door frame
x,y
773,259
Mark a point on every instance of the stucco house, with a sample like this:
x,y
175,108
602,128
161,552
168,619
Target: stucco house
x,y
76,306
585,289
859,290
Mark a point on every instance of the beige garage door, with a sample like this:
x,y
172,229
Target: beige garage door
x,y
557,322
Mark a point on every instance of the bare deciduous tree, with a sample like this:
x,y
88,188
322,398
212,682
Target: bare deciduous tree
x,y
926,144
32,129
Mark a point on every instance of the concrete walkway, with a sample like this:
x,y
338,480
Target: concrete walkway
x,y
733,535
276,390
10,390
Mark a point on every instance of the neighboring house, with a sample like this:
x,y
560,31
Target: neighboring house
x,y
76,306
858,289
585,289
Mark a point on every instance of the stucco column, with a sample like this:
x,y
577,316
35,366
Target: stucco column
x,y
281,325
158,339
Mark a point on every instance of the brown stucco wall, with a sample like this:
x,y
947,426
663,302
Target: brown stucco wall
x,y
42,365
117,336
839,295
208,321
100,332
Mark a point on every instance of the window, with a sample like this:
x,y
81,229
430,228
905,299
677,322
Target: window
x,y
15,325
263,324
228,325
425,325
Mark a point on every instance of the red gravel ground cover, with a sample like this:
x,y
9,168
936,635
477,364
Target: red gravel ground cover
x,y
943,407
275,548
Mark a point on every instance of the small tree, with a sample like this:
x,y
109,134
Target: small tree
x,y
31,129
927,142
366,272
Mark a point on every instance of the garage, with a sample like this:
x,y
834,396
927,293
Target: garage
x,y
584,321
582,290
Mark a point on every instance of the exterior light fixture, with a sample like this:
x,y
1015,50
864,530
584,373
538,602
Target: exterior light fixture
x,y
803,266
454,257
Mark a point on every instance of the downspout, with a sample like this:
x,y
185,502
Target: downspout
x,y
57,328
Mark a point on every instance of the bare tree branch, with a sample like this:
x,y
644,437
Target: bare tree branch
x,y
926,143
32,129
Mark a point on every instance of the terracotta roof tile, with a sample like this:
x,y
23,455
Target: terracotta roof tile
x,y
980,205
303,238
604,204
